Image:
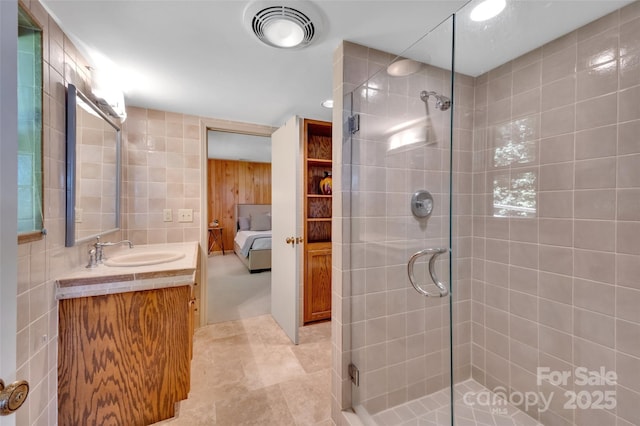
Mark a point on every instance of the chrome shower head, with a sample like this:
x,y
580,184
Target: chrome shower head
x,y
442,102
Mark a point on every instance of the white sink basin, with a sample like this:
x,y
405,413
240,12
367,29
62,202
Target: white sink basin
x,y
144,258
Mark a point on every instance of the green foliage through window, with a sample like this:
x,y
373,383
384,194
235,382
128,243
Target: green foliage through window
x,y
30,215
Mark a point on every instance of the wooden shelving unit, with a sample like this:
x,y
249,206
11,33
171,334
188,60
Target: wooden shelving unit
x,y
317,221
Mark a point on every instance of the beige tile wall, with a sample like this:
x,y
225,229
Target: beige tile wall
x,y
559,288
161,153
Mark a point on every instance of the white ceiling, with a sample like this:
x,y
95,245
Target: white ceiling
x,y
196,57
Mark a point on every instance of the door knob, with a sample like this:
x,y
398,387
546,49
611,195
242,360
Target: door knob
x,y
299,240
290,240
12,396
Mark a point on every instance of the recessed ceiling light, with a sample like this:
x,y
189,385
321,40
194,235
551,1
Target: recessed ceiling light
x,y
403,68
487,10
328,103
283,24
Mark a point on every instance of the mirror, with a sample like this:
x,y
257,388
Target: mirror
x,y
93,170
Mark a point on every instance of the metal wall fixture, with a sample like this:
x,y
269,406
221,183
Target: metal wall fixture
x,y
442,102
434,252
422,204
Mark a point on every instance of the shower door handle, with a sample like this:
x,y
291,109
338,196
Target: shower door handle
x,y
434,252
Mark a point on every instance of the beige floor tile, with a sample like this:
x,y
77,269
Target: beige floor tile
x,y
275,364
223,329
247,372
313,356
238,347
319,332
309,397
266,406
197,410
220,381
267,330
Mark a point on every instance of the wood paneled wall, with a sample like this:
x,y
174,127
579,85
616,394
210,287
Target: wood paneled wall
x,y
233,182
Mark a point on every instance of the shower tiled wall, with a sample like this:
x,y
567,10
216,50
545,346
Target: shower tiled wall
x,y
546,223
556,219
398,339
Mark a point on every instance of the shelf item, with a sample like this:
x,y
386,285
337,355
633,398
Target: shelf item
x,y
326,184
315,174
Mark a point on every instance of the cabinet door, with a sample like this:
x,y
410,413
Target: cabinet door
x,y
317,304
123,358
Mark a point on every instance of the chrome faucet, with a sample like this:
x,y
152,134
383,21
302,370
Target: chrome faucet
x,y
96,254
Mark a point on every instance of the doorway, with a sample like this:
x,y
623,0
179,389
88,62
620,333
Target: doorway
x,y
238,174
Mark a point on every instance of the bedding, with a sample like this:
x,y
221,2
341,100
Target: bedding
x,y
252,242
256,240
243,223
260,222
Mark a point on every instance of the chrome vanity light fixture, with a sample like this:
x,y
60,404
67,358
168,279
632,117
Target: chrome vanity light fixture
x,y
107,95
283,24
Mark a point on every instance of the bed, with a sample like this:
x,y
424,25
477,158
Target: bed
x,y
252,239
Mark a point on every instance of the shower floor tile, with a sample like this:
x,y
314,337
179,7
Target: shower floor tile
x,y
433,410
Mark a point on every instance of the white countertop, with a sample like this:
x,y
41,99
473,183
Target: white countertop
x,y
101,280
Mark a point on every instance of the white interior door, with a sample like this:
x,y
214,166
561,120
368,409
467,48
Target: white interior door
x,y
285,257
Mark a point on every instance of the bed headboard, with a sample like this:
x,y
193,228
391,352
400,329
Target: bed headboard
x,y
247,210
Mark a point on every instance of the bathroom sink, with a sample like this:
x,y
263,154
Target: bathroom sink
x,y
144,258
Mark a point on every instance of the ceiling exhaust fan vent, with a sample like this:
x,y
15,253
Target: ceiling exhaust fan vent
x,y
282,26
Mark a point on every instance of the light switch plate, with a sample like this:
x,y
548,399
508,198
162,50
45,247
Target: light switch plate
x,y
167,216
185,215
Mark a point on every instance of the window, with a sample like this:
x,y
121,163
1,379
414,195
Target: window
x,y
514,189
30,200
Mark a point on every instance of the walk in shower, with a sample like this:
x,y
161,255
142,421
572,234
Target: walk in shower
x,y
488,256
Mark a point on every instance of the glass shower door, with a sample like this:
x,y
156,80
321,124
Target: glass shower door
x,y
399,158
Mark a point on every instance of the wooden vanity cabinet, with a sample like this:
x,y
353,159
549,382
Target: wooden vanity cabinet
x,y
124,359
